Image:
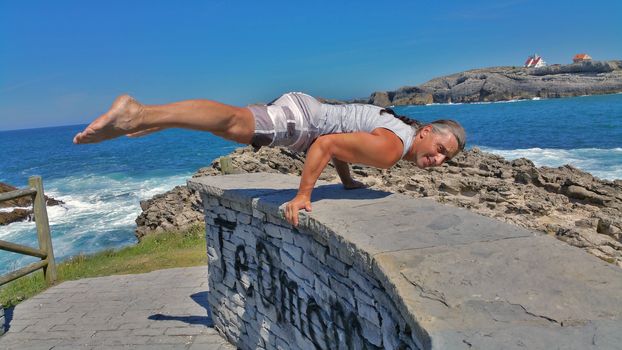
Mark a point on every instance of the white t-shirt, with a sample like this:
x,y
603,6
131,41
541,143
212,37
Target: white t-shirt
x,y
363,118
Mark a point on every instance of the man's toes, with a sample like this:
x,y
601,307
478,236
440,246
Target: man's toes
x,y
86,136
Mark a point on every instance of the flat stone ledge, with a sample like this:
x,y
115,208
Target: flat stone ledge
x,y
459,279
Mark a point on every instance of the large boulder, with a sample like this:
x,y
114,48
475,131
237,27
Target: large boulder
x,y
15,215
175,210
380,98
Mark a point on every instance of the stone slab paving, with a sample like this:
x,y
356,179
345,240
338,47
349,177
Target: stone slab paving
x,y
164,309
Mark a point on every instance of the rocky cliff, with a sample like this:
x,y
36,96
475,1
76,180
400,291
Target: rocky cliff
x,y
509,83
177,209
565,202
20,210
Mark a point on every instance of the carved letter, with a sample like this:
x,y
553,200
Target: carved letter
x,y
264,258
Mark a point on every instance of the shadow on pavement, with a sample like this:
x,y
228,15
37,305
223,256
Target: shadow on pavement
x,y
199,298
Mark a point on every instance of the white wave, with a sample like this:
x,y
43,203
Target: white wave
x,y
496,102
602,163
10,209
445,104
99,212
16,229
479,103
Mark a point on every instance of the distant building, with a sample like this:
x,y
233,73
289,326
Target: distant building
x,y
581,57
535,61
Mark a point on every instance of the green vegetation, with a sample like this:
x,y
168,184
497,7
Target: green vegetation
x,y
155,252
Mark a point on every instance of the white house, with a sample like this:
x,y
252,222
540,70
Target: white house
x,y
535,61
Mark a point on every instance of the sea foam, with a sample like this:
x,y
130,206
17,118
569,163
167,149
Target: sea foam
x,y
98,212
602,163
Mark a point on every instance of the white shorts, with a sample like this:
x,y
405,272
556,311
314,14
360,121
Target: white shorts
x,y
290,121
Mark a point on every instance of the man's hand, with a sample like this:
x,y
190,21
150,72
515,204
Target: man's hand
x,y
343,170
292,207
353,184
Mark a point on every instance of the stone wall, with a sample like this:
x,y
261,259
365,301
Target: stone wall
x,y
369,269
2,320
276,287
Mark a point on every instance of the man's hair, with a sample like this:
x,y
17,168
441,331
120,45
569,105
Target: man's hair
x,y
441,126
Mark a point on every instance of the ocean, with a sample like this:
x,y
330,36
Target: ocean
x,y
102,184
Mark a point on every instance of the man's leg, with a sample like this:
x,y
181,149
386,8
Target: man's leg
x,y
128,117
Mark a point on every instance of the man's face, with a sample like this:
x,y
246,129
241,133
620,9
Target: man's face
x,y
433,149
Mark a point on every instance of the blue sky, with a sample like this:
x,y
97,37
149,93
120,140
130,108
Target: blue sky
x,y
63,62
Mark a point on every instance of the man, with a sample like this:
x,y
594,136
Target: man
x,y
352,133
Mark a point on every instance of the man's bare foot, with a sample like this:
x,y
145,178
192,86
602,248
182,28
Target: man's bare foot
x,y
123,118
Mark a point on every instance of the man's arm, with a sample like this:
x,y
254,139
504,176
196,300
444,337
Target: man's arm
x,y
343,170
380,148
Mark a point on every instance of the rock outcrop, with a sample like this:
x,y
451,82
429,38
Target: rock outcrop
x,y
509,83
175,210
568,203
21,210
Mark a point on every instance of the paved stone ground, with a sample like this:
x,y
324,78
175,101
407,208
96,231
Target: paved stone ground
x,y
165,309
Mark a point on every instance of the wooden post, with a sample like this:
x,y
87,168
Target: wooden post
x,y
225,165
43,228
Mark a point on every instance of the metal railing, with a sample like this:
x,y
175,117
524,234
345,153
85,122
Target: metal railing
x,y
45,251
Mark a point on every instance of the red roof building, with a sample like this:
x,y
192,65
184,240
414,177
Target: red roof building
x,y
581,57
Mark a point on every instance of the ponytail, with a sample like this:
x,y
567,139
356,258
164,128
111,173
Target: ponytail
x,y
408,121
438,126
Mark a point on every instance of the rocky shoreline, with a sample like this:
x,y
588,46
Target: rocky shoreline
x,y
177,209
508,83
565,202
21,210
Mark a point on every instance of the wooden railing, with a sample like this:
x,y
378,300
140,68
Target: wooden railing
x,y
45,251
